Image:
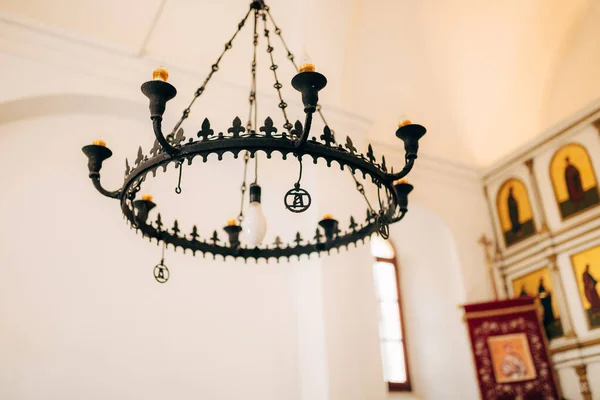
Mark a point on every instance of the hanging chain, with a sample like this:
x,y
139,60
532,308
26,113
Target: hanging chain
x,y
252,97
244,187
297,184
214,68
290,56
282,104
361,190
162,259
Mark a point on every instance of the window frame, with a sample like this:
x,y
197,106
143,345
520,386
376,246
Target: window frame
x,y
398,386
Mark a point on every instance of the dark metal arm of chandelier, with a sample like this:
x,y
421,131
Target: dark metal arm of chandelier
x,y
96,154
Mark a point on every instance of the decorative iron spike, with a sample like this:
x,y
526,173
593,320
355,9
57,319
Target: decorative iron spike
x,y
370,155
318,235
268,127
178,138
127,167
350,145
215,238
278,242
298,239
237,127
205,132
327,136
298,129
156,149
194,233
353,224
140,157
383,166
158,222
175,228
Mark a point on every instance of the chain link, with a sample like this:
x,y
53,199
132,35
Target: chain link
x,y
277,31
361,190
244,186
252,98
282,104
292,58
214,68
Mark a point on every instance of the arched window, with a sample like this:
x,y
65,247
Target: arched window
x,y
391,330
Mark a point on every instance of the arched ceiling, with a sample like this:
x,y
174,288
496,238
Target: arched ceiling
x,y
479,74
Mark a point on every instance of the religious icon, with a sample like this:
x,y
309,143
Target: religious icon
x,y
511,358
514,211
539,284
574,180
586,266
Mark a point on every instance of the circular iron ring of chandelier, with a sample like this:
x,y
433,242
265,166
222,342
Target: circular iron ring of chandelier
x,y
292,140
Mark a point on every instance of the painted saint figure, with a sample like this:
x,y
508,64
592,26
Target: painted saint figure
x,y
513,212
573,181
546,300
512,365
524,292
589,288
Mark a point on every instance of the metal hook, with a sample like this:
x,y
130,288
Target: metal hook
x,y
178,188
300,174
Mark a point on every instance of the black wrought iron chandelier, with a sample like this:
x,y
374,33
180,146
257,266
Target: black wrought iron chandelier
x,y
292,140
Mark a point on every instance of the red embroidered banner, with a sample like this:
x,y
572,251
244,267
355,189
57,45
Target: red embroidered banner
x,y
510,350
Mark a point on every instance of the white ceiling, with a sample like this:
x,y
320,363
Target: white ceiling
x,y
480,74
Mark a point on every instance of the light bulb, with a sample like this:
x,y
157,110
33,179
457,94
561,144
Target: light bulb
x,y
403,120
307,64
160,74
255,224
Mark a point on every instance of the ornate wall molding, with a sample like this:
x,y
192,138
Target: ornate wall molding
x,y
584,385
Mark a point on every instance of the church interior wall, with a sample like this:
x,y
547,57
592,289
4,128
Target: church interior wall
x,y
561,233
302,331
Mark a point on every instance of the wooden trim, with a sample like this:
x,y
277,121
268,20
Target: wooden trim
x,y
396,386
504,311
557,244
492,217
530,149
399,387
577,345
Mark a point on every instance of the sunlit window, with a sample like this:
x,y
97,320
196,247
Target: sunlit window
x,y
391,332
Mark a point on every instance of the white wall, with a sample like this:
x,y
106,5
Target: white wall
x,y
439,351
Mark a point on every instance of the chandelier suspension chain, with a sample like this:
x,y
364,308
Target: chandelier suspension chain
x,y
282,104
292,58
214,68
277,31
244,187
252,124
290,55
